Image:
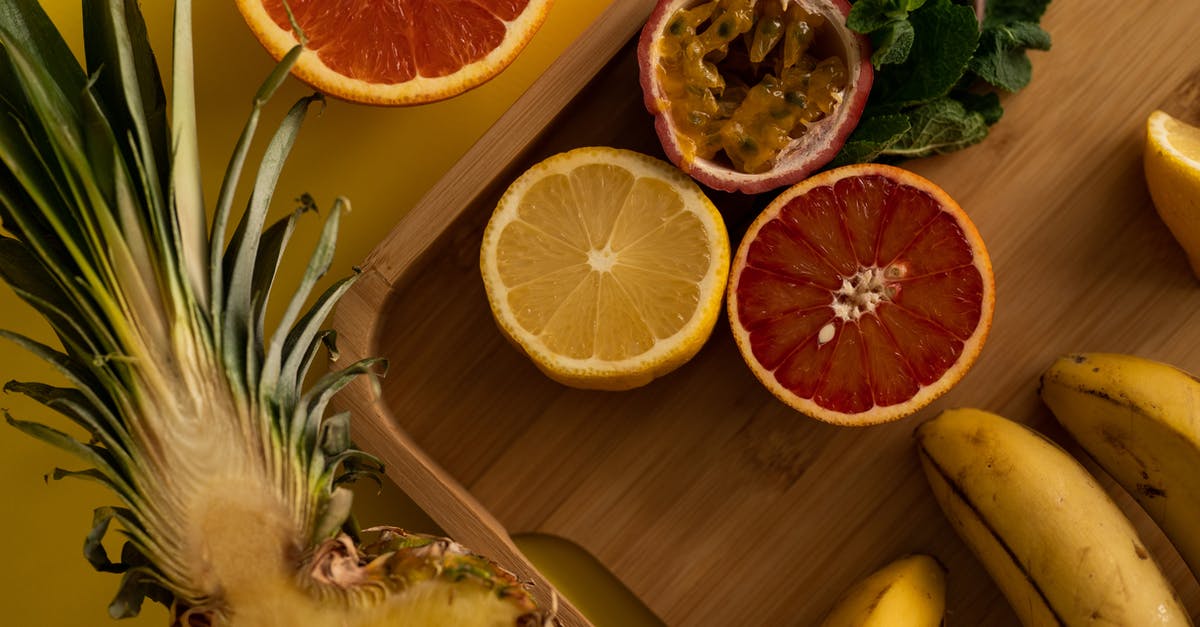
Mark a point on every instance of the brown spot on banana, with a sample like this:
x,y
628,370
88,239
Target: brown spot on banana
x,y
1140,551
1117,442
878,597
1150,491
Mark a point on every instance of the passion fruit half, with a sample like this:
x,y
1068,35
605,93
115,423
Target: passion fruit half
x,y
751,95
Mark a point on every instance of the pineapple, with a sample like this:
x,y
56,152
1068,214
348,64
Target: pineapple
x,y
229,471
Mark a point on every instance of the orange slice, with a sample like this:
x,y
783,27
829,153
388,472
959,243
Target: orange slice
x,y
397,52
861,294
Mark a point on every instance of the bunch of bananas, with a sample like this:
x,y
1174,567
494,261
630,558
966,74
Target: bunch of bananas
x,y
1070,557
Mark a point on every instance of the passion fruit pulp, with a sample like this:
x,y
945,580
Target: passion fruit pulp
x,y
750,95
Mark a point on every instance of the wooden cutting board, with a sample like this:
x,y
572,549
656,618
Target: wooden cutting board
x,y
713,502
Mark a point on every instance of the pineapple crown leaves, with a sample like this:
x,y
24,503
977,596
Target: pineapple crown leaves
x,y
161,323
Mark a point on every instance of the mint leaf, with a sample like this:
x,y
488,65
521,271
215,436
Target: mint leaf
x,y
946,35
870,138
937,73
986,104
1001,58
892,43
1001,12
938,127
870,15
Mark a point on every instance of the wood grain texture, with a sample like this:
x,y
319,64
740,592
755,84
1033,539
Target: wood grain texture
x,y
714,502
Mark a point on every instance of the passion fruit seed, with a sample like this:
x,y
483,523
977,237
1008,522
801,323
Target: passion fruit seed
x,y
763,95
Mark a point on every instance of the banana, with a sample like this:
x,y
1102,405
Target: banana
x,y
1140,421
909,592
1057,546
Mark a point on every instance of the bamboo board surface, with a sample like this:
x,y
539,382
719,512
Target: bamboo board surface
x,y
713,502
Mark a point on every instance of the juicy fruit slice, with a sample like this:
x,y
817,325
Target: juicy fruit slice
x,y
397,52
860,295
750,95
749,121
605,266
433,581
1172,166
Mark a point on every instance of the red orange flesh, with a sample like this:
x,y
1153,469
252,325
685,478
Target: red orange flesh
x,y
860,295
397,51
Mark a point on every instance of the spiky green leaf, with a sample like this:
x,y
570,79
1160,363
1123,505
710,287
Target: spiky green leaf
x,y
229,184
93,546
27,26
318,265
75,372
243,248
311,409
130,89
73,404
95,456
303,341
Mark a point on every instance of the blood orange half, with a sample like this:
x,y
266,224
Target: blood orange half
x,y
397,52
861,294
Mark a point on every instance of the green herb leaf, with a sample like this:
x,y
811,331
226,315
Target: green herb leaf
x,y
945,37
869,15
941,126
986,104
871,137
926,98
1001,58
892,43
1000,12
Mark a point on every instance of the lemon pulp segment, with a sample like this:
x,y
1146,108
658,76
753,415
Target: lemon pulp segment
x,y
612,277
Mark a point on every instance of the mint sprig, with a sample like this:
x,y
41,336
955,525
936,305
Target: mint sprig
x,y
938,73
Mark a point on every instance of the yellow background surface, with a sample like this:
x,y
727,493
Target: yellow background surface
x,y
384,160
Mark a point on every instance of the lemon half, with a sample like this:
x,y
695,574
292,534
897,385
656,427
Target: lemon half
x,y
1172,164
606,267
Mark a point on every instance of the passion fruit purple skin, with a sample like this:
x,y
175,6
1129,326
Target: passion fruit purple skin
x,y
809,152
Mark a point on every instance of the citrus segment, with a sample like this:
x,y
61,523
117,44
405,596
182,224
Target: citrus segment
x,y
397,51
1172,167
861,294
606,267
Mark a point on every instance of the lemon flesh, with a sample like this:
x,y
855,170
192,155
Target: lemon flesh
x,y
606,267
1172,166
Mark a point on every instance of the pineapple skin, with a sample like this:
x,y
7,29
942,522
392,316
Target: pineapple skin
x,y
396,579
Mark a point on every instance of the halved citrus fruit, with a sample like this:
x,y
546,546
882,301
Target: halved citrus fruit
x,y
861,294
606,267
1172,167
752,95
397,52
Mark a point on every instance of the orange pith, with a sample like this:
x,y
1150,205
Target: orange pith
x,y
861,294
397,51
